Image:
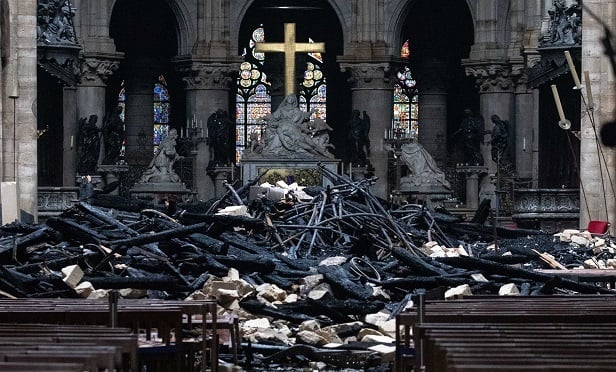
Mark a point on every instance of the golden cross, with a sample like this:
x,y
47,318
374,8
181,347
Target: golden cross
x,y
289,48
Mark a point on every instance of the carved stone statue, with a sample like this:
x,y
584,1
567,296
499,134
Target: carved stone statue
x,y
565,24
500,138
423,169
470,133
113,136
54,22
358,137
88,145
219,126
161,166
289,133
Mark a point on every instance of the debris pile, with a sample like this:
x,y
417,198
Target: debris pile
x,y
315,274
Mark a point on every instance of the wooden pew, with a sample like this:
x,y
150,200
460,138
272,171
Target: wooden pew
x,y
143,316
108,347
526,313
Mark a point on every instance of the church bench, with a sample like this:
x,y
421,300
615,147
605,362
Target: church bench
x,y
449,346
41,366
520,310
72,338
142,315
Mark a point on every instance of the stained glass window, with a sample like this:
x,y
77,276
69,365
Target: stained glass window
x,y
161,106
313,89
161,111
122,105
253,101
406,109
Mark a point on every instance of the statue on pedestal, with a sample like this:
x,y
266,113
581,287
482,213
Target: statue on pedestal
x,y
500,138
113,136
289,133
161,167
359,141
471,133
424,173
88,145
219,126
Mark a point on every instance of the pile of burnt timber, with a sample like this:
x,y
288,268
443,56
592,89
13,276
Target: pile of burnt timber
x,y
336,265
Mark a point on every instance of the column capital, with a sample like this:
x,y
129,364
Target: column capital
x,y
495,76
370,75
207,75
96,69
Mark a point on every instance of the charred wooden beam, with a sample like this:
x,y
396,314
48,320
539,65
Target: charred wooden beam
x,y
75,231
340,280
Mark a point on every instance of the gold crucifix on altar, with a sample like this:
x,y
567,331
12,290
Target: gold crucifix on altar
x,y
289,48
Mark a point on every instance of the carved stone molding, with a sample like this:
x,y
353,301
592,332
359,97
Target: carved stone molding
x,y
494,77
95,71
369,75
200,75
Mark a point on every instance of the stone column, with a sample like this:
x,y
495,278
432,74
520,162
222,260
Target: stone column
x,y
372,91
91,90
19,135
138,114
526,126
207,87
432,78
598,156
496,97
69,144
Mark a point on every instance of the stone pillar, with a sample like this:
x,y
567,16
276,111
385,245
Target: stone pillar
x,y
69,144
19,135
598,161
138,114
472,173
432,78
90,100
372,91
526,126
496,97
207,90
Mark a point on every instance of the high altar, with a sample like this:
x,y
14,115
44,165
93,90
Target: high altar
x,y
292,144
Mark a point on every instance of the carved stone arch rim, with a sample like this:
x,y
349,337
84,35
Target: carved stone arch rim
x,y
401,12
244,9
185,26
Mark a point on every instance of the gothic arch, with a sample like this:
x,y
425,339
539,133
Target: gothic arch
x,y
241,14
186,31
399,15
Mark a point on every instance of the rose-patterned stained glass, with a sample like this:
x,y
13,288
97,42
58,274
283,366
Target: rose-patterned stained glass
x,y
161,111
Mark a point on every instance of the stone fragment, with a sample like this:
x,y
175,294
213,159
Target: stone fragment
x,y
460,290
72,275
509,289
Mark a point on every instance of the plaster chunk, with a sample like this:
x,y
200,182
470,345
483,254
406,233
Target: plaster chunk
x,y
379,339
463,289
333,261
72,275
509,289
311,338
